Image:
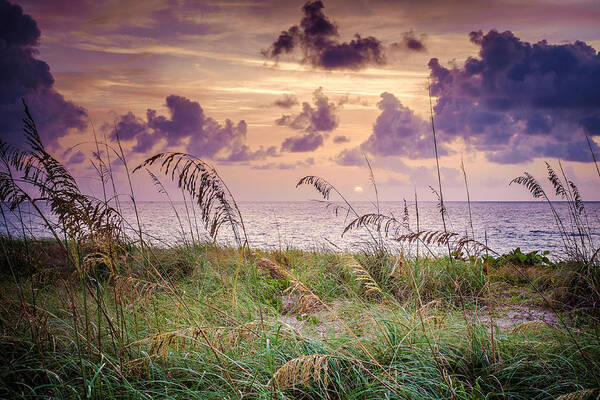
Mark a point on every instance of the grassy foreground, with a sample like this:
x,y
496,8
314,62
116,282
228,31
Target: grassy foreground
x,y
208,322
97,312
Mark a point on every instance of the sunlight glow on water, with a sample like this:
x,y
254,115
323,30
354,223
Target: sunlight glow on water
x,y
309,225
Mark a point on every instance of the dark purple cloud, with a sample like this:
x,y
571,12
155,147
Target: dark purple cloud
x,y
515,102
317,36
187,122
17,29
410,42
286,101
24,76
76,158
128,127
322,117
399,132
518,100
144,142
243,153
295,122
348,157
301,143
341,139
186,119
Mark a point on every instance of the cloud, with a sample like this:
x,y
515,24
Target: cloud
x,y
398,131
203,136
128,127
415,175
346,99
349,157
341,139
145,142
302,143
515,102
187,119
316,37
410,42
518,101
286,101
171,23
243,153
76,158
24,76
312,120
306,163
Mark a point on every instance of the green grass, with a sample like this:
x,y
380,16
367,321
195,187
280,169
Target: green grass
x,y
425,337
91,314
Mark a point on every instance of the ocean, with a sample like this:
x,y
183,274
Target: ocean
x,y
310,225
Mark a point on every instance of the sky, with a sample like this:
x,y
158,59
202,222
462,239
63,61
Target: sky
x,y
270,91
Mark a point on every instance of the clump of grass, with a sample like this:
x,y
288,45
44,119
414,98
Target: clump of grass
x,y
370,286
179,359
162,341
203,183
443,280
580,249
302,370
130,290
304,300
580,394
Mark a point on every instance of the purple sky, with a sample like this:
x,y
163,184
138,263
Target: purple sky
x,y
269,91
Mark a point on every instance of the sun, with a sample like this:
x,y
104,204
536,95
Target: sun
x,y
358,189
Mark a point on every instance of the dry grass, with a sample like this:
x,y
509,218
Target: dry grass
x,y
227,337
276,270
133,291
302,371
362,276
587,394
161,343
530,327
203,183
304,300
245,332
